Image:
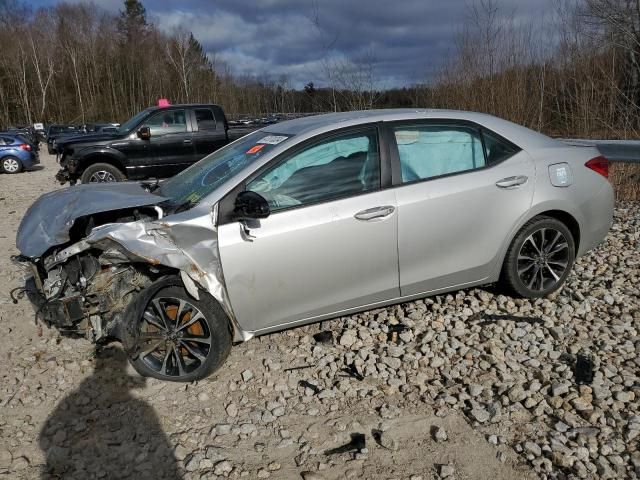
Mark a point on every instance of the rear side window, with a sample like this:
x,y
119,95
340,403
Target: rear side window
x,y
205,119
497,148
428,151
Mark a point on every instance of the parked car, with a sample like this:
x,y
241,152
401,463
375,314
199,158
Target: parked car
x,y
54,131
308,220
156,143
27,135
16,154
81,133
40,132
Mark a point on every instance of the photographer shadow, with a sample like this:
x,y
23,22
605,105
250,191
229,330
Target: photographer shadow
x,y
101,431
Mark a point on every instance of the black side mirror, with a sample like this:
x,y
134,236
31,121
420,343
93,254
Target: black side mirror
x,y
250,205
144,133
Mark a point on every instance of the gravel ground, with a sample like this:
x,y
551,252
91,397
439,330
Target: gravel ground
x,y
472,384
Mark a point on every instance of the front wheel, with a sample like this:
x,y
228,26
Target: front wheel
x,y
539,258
181,339
100,173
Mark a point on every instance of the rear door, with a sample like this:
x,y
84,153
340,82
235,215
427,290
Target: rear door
x,y
456,203
209,132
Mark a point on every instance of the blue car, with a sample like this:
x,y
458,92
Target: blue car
x,y
16,154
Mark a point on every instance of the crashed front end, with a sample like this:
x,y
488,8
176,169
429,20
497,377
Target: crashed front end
x,y
87,268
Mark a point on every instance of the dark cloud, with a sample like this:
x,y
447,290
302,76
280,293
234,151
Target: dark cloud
x,y
409,39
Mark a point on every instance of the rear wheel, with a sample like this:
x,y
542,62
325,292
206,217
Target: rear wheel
x,y
539,258
11,165
181,339
100,173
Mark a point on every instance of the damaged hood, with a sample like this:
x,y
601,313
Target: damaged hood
x,y
48,221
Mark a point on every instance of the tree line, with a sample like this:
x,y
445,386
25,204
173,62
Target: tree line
x,y
576,74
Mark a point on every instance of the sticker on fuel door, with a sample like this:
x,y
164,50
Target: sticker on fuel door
x,y
560,175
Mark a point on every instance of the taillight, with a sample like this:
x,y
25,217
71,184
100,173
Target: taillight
x,y
26,146
599,165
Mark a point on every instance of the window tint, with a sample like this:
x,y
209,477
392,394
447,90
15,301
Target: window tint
x,y
205,119
170,121
497,149
339,167
431,151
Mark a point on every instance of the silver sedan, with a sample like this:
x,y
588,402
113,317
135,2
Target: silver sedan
x,y
307,220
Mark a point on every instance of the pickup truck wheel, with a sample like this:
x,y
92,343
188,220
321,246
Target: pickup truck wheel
x,y
181,339
101,172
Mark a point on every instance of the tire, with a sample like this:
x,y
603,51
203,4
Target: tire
x,y
164,353
11,165
539,258
102,172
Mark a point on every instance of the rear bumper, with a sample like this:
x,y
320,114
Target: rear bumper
x,y
597,218
30,161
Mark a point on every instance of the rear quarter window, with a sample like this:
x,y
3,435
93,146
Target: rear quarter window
x,y
497,148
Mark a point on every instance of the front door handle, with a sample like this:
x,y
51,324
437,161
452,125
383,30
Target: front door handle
x,y
512,182
187,141
375,212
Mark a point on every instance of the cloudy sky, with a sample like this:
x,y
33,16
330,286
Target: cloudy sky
x,y
409,39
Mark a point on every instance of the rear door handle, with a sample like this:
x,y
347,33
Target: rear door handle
x,y
512,182
375,212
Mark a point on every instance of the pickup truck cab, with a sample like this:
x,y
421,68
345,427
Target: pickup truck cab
x,y
156,143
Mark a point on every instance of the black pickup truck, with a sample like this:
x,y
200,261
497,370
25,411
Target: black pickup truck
x,y
156,143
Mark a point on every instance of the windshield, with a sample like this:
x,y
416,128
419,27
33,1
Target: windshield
x,y
202,178
133,121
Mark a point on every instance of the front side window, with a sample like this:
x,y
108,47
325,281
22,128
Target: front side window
x,y
429,151
338,167
205,119
169,121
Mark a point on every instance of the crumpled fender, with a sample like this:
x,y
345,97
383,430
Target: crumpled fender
x,y
190,246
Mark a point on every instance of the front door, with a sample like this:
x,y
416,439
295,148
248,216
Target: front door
x,y
330,243
457,203
171,144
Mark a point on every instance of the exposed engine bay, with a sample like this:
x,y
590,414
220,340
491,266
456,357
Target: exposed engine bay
x,y
91,253
88,294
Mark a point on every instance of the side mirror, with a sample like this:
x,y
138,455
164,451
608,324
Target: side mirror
x,y
250,205
144,133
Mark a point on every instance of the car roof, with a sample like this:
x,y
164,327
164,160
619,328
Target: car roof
x,y
9,134
316,124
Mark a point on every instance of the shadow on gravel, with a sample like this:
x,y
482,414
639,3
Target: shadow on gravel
x,y
101,431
